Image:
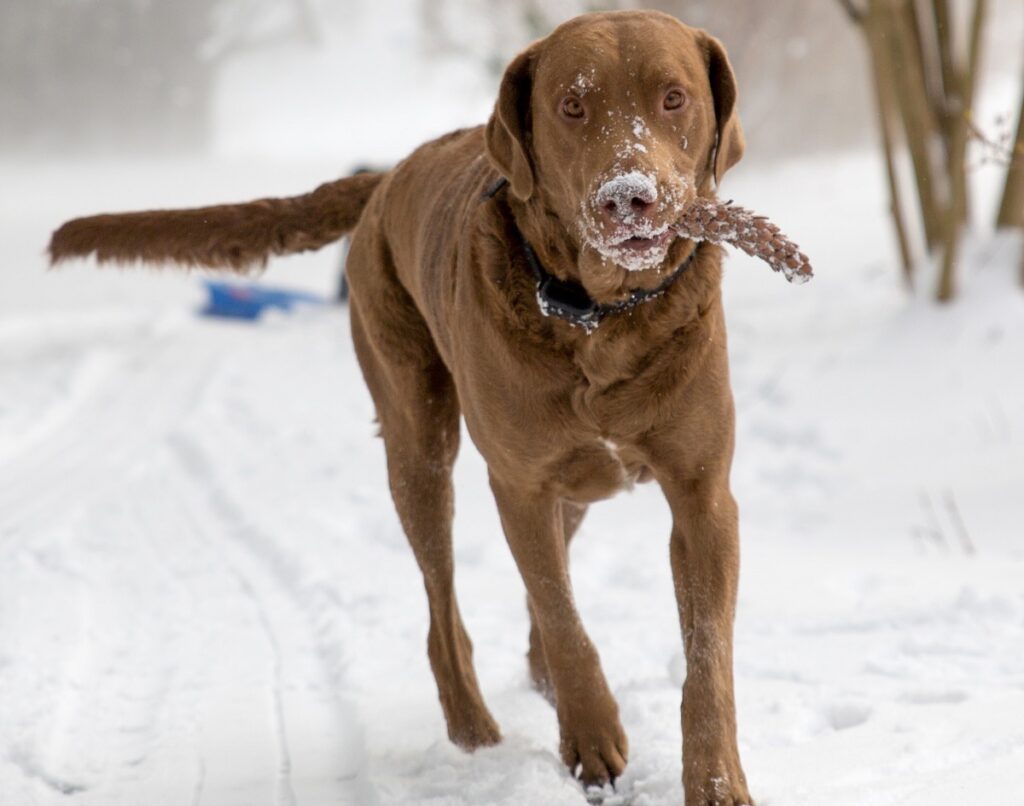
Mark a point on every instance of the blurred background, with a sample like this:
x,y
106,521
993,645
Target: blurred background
x,y
205,596
255,84
296,77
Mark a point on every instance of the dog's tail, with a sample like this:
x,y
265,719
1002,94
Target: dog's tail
x,y
235,237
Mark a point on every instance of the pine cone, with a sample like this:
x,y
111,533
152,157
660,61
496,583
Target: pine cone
x,y
721,222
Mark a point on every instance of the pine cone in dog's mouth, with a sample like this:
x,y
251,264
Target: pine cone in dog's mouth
x,y
722,222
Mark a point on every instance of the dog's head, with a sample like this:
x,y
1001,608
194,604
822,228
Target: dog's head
x,y
611,125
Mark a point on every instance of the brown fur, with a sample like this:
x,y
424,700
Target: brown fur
x,y
228,236
446,324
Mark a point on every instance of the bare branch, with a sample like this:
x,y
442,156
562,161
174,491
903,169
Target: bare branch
x,y
855,14
966,543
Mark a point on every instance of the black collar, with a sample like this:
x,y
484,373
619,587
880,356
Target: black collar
x,y
568,300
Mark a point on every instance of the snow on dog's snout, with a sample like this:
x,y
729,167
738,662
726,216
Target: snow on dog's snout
x,y
626,219
627,196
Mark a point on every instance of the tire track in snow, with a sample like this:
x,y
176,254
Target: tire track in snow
x,y
271,581
31,770
64,506
285,795
92,707
197,793
96,447
42,359
103,453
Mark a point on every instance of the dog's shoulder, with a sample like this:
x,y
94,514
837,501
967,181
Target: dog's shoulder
x,y
445,156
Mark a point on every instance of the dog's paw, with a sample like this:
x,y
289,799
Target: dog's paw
x,y
472,729
596,751
608,795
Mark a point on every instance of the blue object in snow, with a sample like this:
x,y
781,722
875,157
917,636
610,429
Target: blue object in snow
x,y
248,300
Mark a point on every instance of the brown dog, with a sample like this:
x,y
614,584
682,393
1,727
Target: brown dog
x,y
560,316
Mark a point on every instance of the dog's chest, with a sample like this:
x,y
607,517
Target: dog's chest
x,y
616,400
600,425
593,468
615,395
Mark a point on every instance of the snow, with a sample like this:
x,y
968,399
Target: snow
x,y
206,597
621,186
584,82
640,130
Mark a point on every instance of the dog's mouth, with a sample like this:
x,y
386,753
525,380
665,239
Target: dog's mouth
x,y
641,249
644,242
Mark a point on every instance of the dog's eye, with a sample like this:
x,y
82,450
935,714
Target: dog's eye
x,y
674,99
572,107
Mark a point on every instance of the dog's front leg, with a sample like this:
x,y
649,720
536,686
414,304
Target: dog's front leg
x,y
592,739
705,570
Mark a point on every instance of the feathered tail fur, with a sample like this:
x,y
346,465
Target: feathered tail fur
x,y
236,237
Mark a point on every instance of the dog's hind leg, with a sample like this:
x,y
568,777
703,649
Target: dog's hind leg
x,y
418,411
572,517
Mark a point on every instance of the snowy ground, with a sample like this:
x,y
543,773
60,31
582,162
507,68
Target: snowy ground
x,y
205,597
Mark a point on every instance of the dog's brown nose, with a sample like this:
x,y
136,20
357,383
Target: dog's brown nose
x,y
616,207
626,197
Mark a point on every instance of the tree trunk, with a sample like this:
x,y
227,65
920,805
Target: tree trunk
x,y
924,86
922,129
1022,264
882,71
960,96
1011,210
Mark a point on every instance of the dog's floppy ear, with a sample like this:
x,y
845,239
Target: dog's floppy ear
x,y
730,143
508,131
